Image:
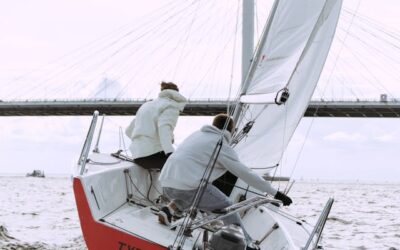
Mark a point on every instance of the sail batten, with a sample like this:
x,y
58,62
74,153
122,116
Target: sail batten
x,y
292,55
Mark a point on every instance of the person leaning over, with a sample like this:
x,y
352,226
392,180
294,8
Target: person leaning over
x,y
183,171
152,130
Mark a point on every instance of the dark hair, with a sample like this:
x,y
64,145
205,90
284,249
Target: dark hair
x,y
220,120
169,85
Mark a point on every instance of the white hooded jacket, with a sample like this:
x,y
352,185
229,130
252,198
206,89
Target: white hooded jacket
x,y
152,129
184,168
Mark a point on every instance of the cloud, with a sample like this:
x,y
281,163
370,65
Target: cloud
x,y
385,138
341,136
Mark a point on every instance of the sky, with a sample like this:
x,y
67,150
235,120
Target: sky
x,y
38,35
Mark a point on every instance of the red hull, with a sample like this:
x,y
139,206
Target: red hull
x,y
99,236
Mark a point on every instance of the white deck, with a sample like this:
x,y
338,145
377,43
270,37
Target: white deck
x,y
107,188
141,221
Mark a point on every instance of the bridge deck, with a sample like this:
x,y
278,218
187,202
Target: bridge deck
x,y
193,108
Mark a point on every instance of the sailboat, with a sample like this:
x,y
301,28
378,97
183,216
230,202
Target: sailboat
x,y
117,200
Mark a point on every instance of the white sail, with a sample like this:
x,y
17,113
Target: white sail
x,y
291,54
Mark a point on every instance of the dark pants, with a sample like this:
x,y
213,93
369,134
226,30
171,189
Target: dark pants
x,y
154,161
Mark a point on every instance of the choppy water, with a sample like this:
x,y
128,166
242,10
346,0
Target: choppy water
x,y
37,213
40,213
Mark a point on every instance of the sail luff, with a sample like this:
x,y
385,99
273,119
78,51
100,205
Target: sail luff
x,y
254,62
294,53
309,42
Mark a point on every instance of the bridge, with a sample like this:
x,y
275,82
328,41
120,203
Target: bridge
x,y
316,108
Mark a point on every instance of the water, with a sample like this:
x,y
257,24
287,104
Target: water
x,y
363,216
38,213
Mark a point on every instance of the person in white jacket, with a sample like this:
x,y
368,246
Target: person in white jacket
x,y
152,130
183,171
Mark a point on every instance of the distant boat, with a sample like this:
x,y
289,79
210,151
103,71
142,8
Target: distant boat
x,y
36,173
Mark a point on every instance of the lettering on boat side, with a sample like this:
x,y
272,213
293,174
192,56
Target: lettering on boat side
x,y
124,246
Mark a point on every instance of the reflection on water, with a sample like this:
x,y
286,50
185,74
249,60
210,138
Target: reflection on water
x,y
38,213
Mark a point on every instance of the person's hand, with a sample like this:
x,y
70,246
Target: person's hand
x,y
284,198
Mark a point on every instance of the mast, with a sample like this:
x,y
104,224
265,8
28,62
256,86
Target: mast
x,y
247,36
250,68
247,47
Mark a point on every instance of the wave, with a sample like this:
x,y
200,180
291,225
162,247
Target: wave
x,y
345,222
8,242
4,235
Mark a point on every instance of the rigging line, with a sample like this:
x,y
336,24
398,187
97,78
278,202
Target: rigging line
x,y
301,150
209,86
138,190
379,37
217,36
202,46
70,53
255,60
362,75
341,48
186,38
342,81
391,32
374,47
202,22
256,18
349,75
147,32
136,51
100,39
280,163
188,220
110,45
345,67
385,68
238,91
233,61
369,71
230,73
154,66
308,43
383,54
323,92
180,238
160,62
242,134
216,59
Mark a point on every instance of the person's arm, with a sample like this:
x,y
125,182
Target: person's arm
x,y
129,129
231,162
166,125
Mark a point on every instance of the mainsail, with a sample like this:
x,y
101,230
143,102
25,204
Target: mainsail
x,y
291,54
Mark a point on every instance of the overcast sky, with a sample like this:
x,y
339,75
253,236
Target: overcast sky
x,y
34,33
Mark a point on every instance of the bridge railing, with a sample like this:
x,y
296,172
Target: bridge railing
x,y
190,100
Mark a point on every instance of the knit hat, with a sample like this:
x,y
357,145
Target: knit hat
x,y
169,85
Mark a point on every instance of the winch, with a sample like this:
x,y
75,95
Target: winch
x,y
229,237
